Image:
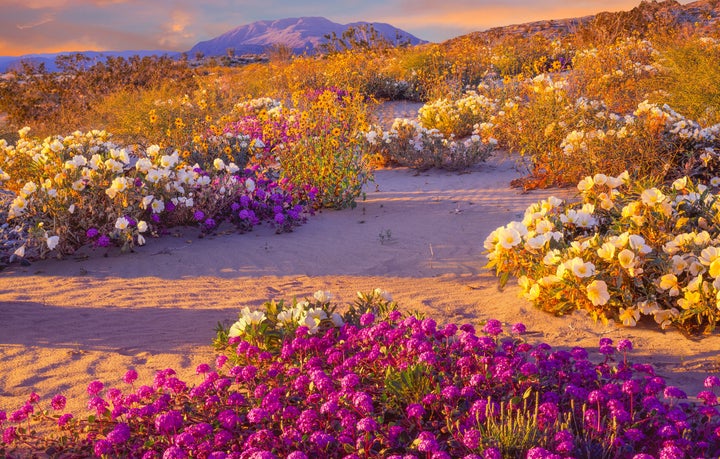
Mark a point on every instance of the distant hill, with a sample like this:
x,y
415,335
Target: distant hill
x,y
8,63
303,34
702,13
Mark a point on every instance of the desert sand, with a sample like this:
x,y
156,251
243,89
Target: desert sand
x,y
64,323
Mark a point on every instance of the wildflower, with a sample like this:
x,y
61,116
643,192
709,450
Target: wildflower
x,y
58,402
606,251
121,223
130,376
581,268
508,237
585,184
426,442
367,424
52,242
322,296
670,282
652,197
626,258
95,387
597,293
629,316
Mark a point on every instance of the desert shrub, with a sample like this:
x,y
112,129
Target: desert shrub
x,y
457,117
299,380
619,74
688,77
622,252
83,189
63,101
408,143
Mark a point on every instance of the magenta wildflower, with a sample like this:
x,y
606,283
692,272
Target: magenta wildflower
x,y
624,345
170,422
674,392
95,387
202,369
493,327
471,438
426,442
712,381
58,402
367,319
367,424
102,447
120,434
64,419
415,411
91,233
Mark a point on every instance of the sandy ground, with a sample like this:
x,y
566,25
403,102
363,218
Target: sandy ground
x,y
64,323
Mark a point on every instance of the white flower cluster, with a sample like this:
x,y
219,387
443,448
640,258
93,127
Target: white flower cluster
x,y
639,253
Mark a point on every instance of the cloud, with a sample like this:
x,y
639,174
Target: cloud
x,y
44,20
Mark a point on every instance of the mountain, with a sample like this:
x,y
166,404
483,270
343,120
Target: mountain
x,y
8,63
303,34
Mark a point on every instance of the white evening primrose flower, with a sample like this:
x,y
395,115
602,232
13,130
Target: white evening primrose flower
x,y
606,251
219,164
715,181
637,243
142,226
664,317
146,201
652,197
533,292
581,268
250,185
600,179
20,251
238,328
56,146
168,161
585,184
680,184
690,299
552,257
29,189
95,162
629,316
313,318
52,242
322,296
143,165
153,150
669,282
337,319
232,168
626,258
508,237
382,294
157,206
253,317
544,226
140,239
597,292
121,223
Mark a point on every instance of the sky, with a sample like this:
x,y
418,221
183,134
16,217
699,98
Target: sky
x,y
49,26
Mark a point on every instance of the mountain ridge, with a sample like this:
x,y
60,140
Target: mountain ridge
x,y
302,34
